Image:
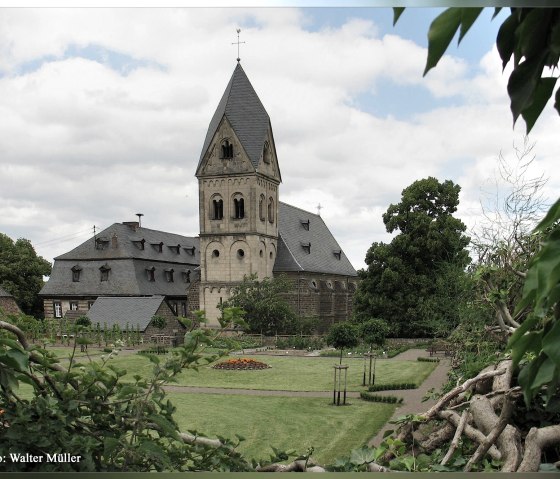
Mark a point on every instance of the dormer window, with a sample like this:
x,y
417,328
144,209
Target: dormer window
x,y
151,274
305,224
238,207
338,254
306,247
101,243
187,276
140,244
190,250
76,271
104,270
158,247
227,150
176,249
169,275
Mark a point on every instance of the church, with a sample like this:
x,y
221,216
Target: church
x,y
244,229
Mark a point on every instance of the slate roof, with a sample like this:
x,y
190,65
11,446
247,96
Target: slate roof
x,y
127,263
4,293
246,114
306,244
134,311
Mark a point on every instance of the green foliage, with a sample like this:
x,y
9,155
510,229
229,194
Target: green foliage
x,y
95,410
83,321
391,386
376,398
538,338
428,360
265,310
373,332
21,273
415,282
343,336
158,322
529,36
300,342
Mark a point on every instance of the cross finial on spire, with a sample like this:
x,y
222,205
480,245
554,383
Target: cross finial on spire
x,y
319,208
238,43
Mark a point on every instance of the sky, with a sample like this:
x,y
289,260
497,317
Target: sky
x,y
103,113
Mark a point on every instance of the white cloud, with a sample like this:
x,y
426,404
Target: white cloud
x,y
88,140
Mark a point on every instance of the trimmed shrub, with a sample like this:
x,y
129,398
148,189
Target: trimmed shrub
x,y
384,399
389,387
428,360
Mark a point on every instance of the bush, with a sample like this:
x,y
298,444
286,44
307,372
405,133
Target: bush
x,y
300,342
428,360
385,399
389,387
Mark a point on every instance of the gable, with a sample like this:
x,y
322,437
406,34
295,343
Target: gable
x,y
214,162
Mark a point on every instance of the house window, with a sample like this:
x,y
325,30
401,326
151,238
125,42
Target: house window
x,y
262,215
169,275
176,249
305,224
239,208
73,306
150,274
227,149
306,247
217,209
90,304
105,272
183,308
174,307
57,306
338,254
271,210
190,250
140,244
186,276
76,270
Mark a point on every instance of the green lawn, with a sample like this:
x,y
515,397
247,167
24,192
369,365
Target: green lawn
x,y
287,373
283,422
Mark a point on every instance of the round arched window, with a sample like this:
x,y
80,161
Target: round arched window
x,y
240,253
215,253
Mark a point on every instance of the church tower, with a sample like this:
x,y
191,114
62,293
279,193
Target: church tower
x,y
238,179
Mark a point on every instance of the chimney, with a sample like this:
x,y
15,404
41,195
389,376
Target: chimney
x,y
133,225
114,241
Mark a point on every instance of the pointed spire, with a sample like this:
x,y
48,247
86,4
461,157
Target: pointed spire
x,y
241,106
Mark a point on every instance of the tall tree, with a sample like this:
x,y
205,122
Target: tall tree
x,y
266,311
21,273
411,281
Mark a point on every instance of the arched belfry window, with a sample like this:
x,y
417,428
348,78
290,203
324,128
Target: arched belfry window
x,y
227,149
262,215
271,210
217,212
266,152
238,206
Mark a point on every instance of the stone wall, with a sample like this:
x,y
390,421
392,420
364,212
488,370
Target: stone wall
x,y
325,297
172,326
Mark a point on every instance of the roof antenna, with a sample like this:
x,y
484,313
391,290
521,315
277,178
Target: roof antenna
x,y
238,43
139,219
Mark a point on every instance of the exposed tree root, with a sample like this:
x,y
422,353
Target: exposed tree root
x,y
456,437
537,439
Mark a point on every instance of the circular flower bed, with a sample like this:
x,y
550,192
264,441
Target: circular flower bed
x,y
242,363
